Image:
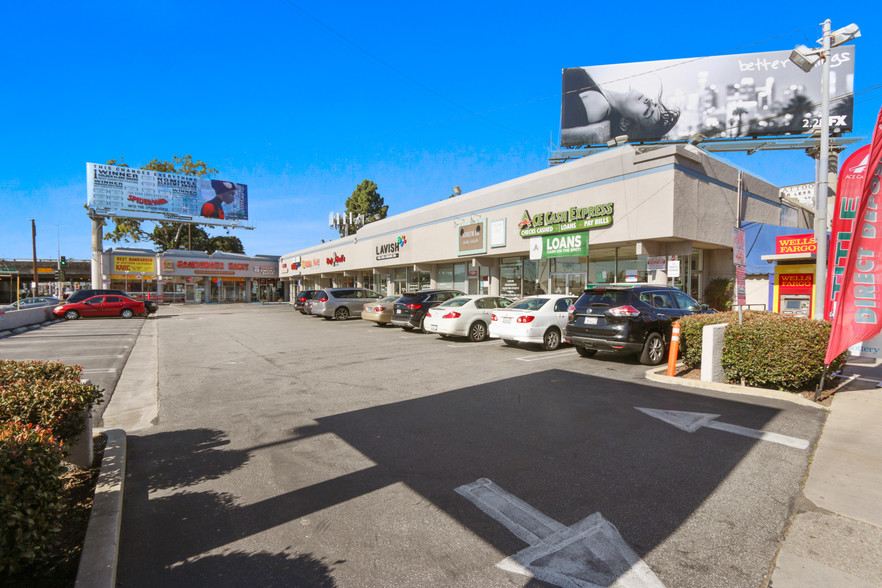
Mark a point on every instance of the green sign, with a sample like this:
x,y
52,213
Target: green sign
x,y
575,244
568,221
8,269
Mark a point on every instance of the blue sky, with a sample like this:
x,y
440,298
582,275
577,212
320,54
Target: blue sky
x,y
303,100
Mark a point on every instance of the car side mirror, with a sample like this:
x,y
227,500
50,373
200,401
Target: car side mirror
x,y
704,307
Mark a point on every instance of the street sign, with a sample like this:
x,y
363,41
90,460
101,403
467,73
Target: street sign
x,y
590,553
692,421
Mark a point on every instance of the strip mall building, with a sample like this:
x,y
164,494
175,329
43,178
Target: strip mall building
x,y
631,214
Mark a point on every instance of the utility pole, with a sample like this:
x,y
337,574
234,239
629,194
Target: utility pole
x,y
34,244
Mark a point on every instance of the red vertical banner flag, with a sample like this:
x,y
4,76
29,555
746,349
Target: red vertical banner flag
x,y
858,313
848,196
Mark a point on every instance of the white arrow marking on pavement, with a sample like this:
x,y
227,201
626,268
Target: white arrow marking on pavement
x,y
589,554
692,421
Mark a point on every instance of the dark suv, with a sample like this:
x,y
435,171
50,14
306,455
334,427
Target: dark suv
x,y
80,295
628,319
302,298
411,308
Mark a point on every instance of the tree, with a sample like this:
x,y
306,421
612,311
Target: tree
x,y
165,235
367,201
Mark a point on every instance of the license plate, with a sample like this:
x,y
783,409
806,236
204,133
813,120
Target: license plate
x,y
398,312
590,320
433,328
506,319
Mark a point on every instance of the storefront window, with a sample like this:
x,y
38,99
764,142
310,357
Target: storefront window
x,y
602,265
452,276
630,267
568,275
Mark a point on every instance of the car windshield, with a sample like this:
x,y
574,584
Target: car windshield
x,y
320,296
388,299
604,297
456,302
529,303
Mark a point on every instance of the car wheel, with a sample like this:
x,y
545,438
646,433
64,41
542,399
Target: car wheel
x,y
585,352
127,313
342,313
653,350
382,324
407,328
551,340
510,342
478,331
71,315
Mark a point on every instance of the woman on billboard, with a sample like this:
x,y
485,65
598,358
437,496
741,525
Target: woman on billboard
x,y
594,114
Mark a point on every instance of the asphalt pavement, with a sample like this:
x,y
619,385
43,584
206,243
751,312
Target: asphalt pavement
x,y
194,458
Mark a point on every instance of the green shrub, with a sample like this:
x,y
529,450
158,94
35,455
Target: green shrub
x,y
692,331
779,352
719,293
47,394
30,483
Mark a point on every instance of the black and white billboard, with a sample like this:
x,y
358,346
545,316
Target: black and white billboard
x,y
728,96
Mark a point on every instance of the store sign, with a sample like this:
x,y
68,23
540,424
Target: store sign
x,y
124,263
168,266
390,250
472,238
559,246
656,263
335,260
797,280
673,267
568,221
311,262
795,244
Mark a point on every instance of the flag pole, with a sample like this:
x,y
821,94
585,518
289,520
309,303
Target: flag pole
x,y
820,387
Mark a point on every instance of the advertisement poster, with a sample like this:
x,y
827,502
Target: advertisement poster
x,y
723,96
114,191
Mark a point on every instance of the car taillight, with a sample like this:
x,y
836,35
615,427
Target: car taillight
x,y
379,308
571,313
626,310
493,317
526,319
413,306
452,314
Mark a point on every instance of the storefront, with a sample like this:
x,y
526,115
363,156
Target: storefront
x,y
628,215
193,276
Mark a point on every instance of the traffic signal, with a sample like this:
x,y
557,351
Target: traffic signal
x,y
63,260
55,275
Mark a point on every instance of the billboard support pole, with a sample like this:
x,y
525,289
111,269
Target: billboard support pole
x,y
822,179
97,245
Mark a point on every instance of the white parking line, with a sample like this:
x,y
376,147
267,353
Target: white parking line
x,y
552,355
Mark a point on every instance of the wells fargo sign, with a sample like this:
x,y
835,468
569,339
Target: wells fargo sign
x,y
795,244
797,280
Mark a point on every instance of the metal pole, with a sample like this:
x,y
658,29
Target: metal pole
x,y
34,243
97,238
822,179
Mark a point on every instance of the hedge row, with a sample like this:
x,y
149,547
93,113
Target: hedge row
x,y
42,405
768,350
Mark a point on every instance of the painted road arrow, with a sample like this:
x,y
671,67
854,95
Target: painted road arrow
x,y
589,554
692,421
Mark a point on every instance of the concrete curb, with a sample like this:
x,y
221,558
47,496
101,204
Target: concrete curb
x,y
101,548
658,375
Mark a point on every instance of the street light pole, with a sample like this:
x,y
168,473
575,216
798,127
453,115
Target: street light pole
x,y
822,180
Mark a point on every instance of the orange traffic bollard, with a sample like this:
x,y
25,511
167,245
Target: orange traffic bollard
x,y
675,348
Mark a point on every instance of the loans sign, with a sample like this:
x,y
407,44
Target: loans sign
x,y
571,220
559,246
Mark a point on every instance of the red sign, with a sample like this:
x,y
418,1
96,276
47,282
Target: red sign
x,y
858,315
848,194
795,244
796,281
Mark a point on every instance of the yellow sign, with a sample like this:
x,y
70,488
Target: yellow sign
x,y
124,263
45,270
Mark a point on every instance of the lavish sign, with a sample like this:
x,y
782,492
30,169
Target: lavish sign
x,y
568,221
391,249
725,96
115,191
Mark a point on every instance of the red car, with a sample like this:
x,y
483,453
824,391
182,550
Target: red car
x,y
100,306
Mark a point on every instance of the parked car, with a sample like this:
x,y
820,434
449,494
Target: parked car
x,y
32,303
80,295
464,316
341,303
628,319
100,306
411,309
380,311
301,299
533,319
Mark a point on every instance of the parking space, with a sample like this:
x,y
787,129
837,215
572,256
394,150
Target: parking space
x,y
100,345
294,450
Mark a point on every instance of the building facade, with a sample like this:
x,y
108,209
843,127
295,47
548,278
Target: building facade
x,y
631,214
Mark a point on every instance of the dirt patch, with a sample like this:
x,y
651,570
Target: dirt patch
x,y
807,393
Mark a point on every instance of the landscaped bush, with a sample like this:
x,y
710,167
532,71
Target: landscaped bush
x,y
775,351
691,331
47,394
30,482
719,293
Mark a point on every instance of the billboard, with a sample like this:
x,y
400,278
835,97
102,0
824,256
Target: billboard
x,y
725,96
115,191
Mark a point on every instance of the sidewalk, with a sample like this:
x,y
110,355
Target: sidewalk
x,y
836,535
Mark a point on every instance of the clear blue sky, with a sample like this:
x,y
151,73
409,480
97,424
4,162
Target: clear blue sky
x,y
303,100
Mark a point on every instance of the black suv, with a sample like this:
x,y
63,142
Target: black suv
x,y
80,295
628,319
411,308
302,298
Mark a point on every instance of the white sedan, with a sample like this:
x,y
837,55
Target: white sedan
x,y
535,319
463,316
